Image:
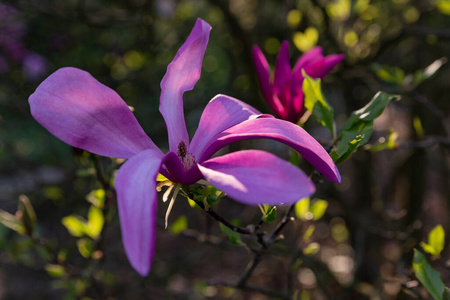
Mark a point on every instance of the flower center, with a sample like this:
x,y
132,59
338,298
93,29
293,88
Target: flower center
x,y
187,159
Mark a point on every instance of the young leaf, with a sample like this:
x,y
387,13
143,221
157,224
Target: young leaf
x,y
316,103
95,222
436,241
235,237
179,225
446,294
11,221
97,197
55,270
302,208
429,277
75,225
422,75
85,247
270,213
25,213
389,73
311,249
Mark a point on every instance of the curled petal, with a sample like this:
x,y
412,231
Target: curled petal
x,y
137,201
263,75
173,169
282,74
307,58
182,75
220,113
84,113
284,132
332,60
257,177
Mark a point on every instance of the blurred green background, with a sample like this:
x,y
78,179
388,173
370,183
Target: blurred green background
x,y
388,200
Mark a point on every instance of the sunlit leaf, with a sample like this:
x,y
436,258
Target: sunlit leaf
x,y
75,225
308,233
344,151
161,177
11,221
97,197
429,277
304,41
302,208
311,249
436,241
26,214
316,103
55,270
318,208
179,225
85,247
95,222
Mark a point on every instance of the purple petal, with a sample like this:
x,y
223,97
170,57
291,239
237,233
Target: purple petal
x,y
137,201
257,177
220,113
182,75
174,170
84,113
284,132
263,74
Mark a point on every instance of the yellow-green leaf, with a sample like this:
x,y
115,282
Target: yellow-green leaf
x,y
302,208
75,224
179,225
318,208
95,222
316,103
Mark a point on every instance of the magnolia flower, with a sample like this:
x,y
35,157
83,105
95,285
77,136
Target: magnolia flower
x,y
284,92
82,112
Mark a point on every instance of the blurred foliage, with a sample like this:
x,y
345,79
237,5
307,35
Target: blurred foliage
x,y
357,244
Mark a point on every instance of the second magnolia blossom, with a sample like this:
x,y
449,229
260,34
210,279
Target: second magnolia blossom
x,y
84,113
283,92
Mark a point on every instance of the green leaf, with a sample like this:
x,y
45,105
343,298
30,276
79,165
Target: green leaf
x,y
316,103
344,151
75,225
436,241
429,277
372,110
357,130
235,237
270,213
95,222
179,225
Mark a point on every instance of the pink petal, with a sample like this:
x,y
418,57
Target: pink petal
x,y
174,170
182,75
220,113
284,132
257,177
263,74
137,200
308,57
282,75
84,113
332,60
